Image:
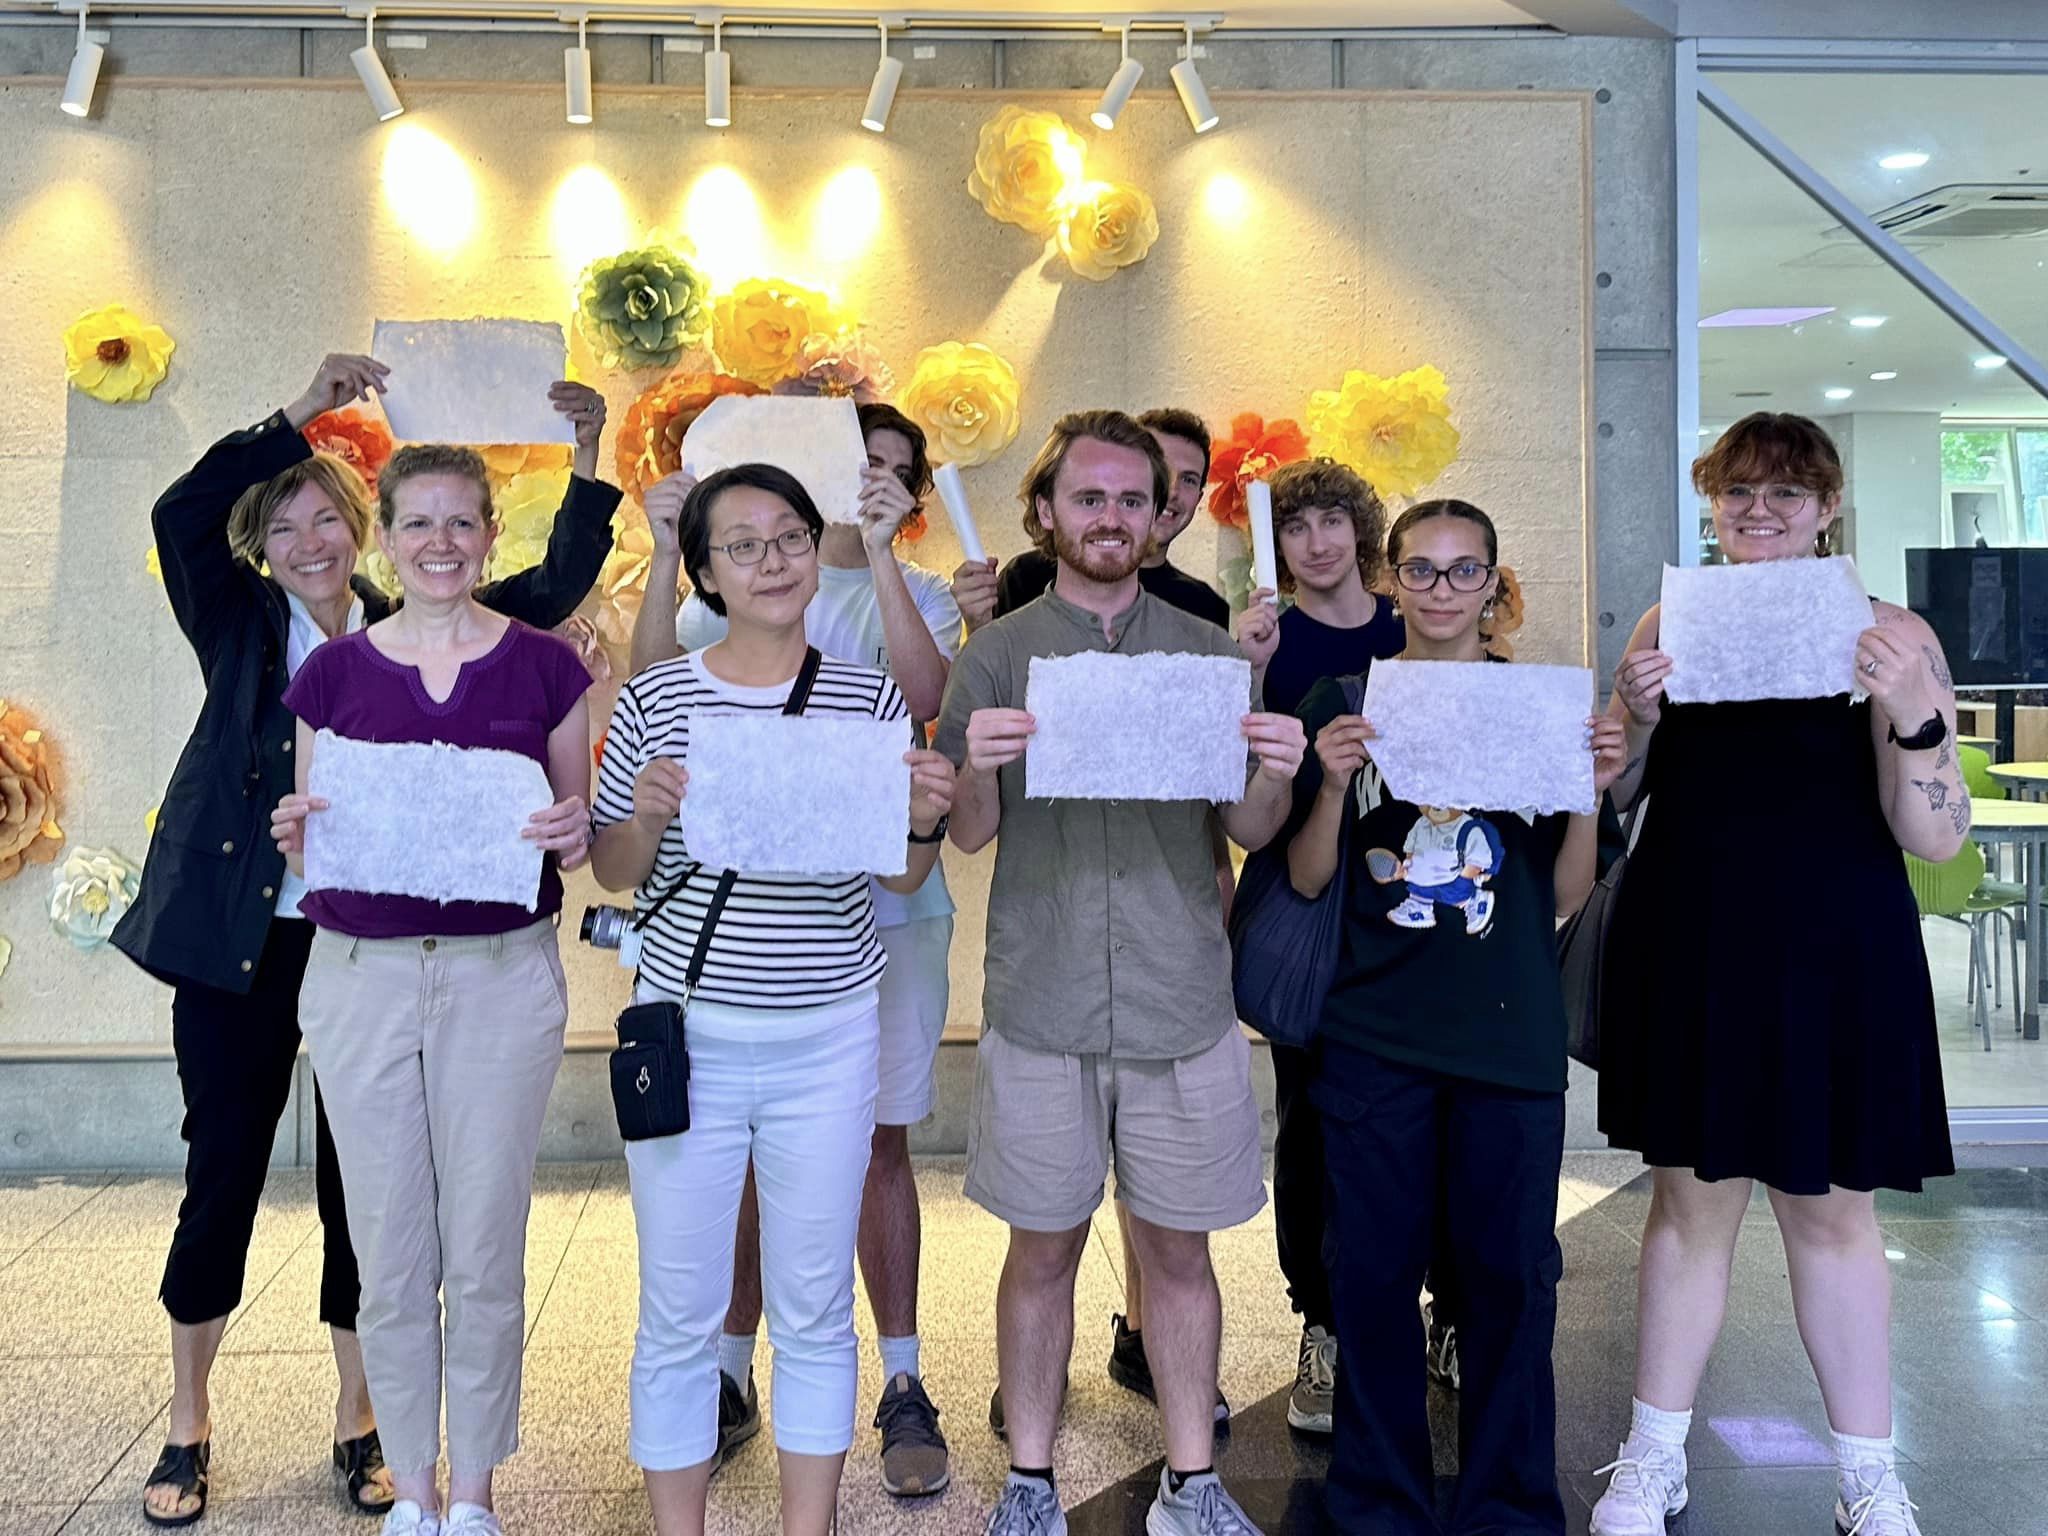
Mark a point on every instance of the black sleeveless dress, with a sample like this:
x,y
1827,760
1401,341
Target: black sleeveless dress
x,y
1766,1011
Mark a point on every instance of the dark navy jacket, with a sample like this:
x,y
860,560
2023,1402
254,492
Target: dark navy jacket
x,y
209,883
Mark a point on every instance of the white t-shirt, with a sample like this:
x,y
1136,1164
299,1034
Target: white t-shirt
x,y
844,622
300,640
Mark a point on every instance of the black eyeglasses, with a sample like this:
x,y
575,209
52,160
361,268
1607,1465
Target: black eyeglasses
x,y
1421,576
794,544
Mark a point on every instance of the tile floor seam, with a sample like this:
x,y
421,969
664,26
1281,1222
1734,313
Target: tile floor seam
x,y
106,1177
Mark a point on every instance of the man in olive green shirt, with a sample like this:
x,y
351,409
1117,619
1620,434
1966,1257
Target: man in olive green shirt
x,y
1107,991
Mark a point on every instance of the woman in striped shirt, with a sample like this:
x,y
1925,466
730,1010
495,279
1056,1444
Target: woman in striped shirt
x,y
781,1027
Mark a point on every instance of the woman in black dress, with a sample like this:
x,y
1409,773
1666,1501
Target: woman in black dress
x,y
1811,1065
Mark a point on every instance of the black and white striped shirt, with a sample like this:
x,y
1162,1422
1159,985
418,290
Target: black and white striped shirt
x,y
784,942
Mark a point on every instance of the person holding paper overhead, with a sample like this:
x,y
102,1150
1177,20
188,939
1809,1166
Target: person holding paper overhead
x,y
781,1030
1111,1031
1803,1054
259,542
873,609
436,1027
1439,1075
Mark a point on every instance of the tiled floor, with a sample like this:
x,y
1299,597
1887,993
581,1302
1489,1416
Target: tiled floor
x,y
85,1378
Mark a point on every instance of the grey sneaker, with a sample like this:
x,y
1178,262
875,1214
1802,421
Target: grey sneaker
x,y
914,1459
1311,1405
1201,1508
1880,1507
1027,1508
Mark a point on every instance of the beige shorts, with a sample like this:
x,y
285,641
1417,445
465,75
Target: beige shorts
x,y
1183,1134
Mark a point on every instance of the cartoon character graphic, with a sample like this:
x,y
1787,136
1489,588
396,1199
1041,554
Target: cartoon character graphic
x,y
1449,857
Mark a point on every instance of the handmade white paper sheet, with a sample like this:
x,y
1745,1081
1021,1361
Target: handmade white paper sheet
x,y
1150,727
790,795
441,822
472,381
1479,736
818,441
1774,629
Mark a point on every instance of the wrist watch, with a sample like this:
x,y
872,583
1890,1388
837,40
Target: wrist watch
x,y
936,835
1928,737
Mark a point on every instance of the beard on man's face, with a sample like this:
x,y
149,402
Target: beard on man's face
x,y
1095,562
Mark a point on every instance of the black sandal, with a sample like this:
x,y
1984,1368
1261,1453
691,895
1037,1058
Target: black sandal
x,y
359,1461
182,1467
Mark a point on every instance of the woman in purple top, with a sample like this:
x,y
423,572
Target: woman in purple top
x,y
436,1028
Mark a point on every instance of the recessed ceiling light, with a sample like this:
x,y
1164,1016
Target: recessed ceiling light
x,y
1728,318
1840,394
1989,361
1906,160
1885,376
1867,322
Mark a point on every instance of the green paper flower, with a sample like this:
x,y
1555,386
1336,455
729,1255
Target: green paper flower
x,y
644,308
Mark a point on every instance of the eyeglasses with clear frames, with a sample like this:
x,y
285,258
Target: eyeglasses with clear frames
x,y
1421,576
794,543
1781,500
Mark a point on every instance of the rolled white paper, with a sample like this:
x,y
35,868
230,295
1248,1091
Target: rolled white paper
x,y
947,478
1258,499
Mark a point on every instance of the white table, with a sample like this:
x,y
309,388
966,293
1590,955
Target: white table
x,y
2022,824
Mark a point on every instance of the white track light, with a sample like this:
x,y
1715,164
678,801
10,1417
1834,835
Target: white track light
x,y
370,70
717,81
1194,96
576,74
882,94
85,72
1119,89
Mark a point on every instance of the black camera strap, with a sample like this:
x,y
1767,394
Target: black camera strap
x,y
799,697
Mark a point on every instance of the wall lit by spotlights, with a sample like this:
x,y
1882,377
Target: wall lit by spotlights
x,y
264,225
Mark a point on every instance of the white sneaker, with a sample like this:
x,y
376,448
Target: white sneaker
x,y
1648,1484
470,1520
1880,1507
407,1519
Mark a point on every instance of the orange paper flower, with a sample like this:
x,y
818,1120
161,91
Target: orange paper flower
x,y
361,442
650,441
29,833
1254,449
1507,616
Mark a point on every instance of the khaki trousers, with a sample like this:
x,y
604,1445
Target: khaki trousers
x,y
435,1057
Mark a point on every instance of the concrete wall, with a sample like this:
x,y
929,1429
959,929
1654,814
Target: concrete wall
x,y
1451,230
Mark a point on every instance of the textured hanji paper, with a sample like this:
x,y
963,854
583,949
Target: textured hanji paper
x,y
472,381
411,819
816,440
1773,629
788,795
1479,736
1149,727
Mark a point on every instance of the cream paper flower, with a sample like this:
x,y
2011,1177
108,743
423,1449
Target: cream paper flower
x,y
965,396
89,892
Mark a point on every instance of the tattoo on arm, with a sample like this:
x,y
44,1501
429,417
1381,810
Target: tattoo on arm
x,y
1942,759
1936,791
1937,666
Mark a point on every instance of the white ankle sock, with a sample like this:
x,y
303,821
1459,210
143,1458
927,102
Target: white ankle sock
x,y
1857,1453
899,1357
1658,1426
736,1357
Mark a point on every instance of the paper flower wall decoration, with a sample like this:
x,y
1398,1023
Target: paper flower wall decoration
x,y
580,635
1498,631
88,893
1027,168
526,506
1395,432
6,953
360,441
758,328
842,364
1255,448
1112,226
964,395
29,833
650,440
622,582
644,308
376,568
114,355
153,564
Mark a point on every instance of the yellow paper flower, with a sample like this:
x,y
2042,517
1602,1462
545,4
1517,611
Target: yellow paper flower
x,y
623,582
377,569
1027,169
1396,432
1112,226
965,397
758,329
507,461
6,953
88,893
526,516
156,566
114,355
149,818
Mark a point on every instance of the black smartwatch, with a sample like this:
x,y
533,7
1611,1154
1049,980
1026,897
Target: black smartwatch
x,y
1926,739
936,835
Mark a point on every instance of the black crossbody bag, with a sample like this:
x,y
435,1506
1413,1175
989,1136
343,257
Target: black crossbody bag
x,y
651,1065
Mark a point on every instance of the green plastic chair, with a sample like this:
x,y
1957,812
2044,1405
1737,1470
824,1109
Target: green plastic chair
x,y
1976,766
1958,892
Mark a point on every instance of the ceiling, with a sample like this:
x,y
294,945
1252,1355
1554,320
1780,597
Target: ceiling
x,y
1764,243
1321,15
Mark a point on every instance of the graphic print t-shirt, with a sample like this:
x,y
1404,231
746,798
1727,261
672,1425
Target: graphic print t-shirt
x,y
1449,959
